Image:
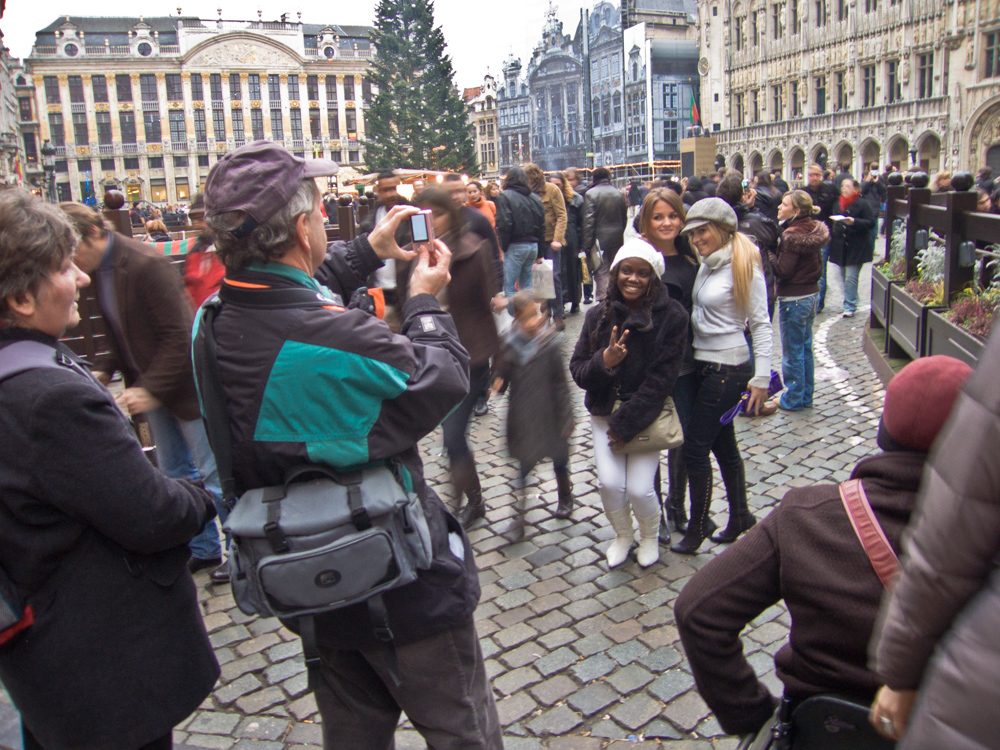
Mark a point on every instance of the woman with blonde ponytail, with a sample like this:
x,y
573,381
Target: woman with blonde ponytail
x,y
729,296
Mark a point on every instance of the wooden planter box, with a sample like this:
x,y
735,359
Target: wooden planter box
x,y
906,320
880,298
944,337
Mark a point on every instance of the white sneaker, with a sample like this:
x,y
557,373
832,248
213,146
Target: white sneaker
x,y
848,314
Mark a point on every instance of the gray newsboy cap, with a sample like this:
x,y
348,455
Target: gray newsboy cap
x,y
711,210
258,179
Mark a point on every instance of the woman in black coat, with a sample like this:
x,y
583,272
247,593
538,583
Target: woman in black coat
x,y
630,351
852,244
92,537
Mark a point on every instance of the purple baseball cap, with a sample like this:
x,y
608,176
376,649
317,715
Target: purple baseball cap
x,y
258,179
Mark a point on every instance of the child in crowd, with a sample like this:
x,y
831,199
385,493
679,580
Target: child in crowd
x,y
539,414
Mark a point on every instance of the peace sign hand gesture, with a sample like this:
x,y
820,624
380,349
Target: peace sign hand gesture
x,y
615,352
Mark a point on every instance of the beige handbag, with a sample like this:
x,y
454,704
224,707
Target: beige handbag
x,y
664,432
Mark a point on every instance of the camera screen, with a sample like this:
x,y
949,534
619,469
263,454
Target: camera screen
x,y
418,224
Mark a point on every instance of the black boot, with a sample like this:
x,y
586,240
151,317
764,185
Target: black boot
x,y
740,517
465,480
565,507
473,510
677,476
700,526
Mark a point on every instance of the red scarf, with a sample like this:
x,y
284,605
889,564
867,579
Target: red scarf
x,y
846,203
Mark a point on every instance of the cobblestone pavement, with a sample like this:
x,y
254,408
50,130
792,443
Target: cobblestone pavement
x,y
581,658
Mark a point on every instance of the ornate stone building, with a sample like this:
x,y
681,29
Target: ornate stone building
x,y
513,117
151,103
12,157
558,106
607,91
481,102
851,82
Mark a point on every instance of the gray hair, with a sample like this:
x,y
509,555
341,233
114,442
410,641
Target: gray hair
x,y
35,240
268,241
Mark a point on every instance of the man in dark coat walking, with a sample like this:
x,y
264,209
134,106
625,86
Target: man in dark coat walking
x,y
852,245
605,214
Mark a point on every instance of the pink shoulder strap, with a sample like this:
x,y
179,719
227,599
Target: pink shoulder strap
x,y
868,531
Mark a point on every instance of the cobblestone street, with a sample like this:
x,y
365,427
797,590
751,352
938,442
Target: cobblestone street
x,y
581,658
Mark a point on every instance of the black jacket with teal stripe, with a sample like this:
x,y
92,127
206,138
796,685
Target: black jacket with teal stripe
x,y
335,386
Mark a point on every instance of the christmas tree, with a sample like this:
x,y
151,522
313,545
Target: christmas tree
x,y
417,120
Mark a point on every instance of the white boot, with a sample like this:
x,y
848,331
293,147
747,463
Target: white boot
x,y
621,522
649,540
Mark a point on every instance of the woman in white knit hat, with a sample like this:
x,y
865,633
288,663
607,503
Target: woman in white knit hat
x,y
729,296
627,360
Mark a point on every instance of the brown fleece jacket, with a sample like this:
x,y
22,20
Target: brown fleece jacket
x,y
797,264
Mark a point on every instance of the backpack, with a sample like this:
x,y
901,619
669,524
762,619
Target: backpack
x,y
16,614
325,538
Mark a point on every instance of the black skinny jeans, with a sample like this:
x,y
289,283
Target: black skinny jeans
x,y
718,388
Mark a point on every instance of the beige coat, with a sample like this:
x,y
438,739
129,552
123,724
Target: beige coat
x,y
555,214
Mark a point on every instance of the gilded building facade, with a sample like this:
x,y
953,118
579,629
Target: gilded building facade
x,y
150,104
851,82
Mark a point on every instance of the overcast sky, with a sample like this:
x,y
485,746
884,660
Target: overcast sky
x,y
480,35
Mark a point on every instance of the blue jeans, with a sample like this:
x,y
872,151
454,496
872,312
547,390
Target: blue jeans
x,y
797,351
183,452
517,262
824,257
849,275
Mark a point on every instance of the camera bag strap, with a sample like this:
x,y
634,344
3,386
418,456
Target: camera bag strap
x,y
16,615
217,427
869,532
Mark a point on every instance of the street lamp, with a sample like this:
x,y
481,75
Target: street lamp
x,y
49,166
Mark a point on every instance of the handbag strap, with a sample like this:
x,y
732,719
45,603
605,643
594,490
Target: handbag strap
x,y
868,531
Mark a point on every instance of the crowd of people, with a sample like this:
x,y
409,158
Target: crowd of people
x,y
397,337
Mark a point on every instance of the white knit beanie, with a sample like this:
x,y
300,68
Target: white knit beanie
x,y
638,248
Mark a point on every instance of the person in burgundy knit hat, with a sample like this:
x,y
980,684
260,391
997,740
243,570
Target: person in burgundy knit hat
x,y
806,553
918,401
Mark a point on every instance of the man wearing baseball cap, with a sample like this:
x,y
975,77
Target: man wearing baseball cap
x,y
333,385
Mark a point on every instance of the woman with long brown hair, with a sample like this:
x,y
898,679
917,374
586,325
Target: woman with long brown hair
x,y
473,284
660,222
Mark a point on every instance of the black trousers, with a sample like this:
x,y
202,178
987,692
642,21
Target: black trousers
x,y
444,691
164,743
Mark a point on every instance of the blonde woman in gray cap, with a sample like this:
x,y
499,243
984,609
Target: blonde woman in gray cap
x,y
729,295
627,359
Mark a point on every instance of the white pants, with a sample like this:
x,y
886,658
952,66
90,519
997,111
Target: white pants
x,y
625,479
